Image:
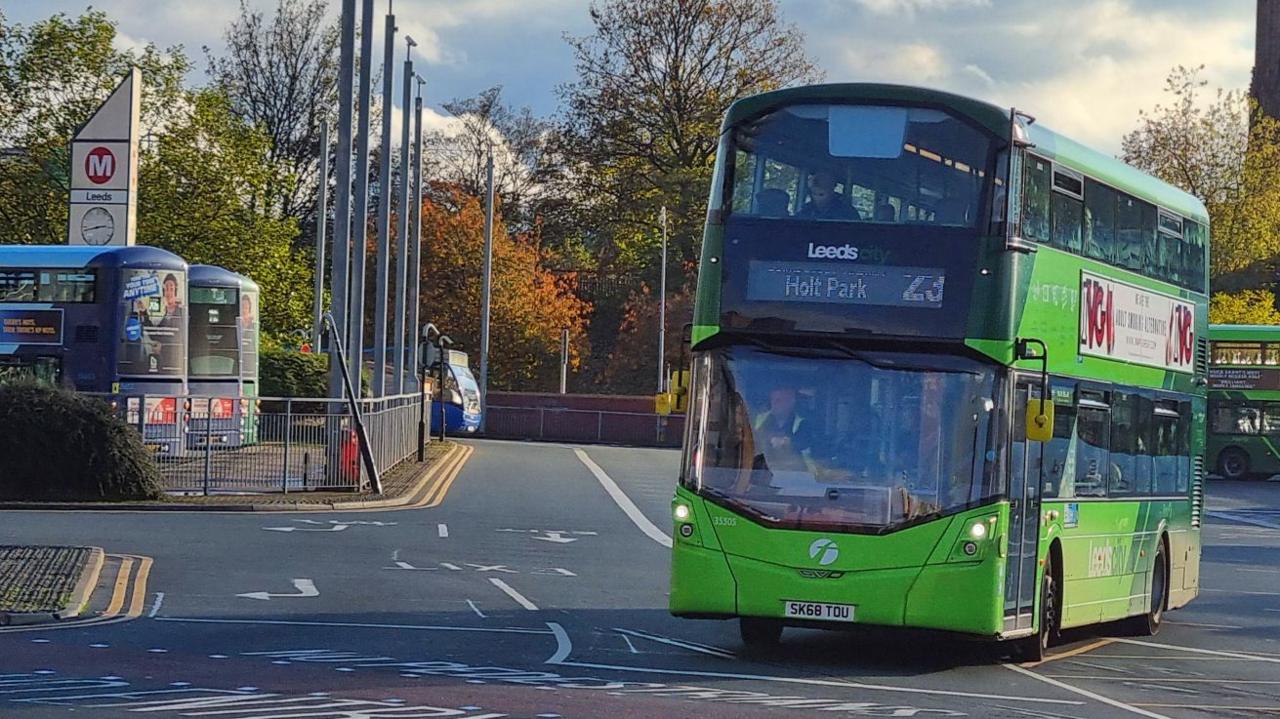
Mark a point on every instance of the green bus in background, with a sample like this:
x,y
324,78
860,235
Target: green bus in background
x,y
891,279
1244,400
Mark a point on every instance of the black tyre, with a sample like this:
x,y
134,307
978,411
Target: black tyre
x,y
1148,625
1233,463
759,633
1034,648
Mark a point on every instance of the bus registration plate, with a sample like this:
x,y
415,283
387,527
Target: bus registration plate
x,y
817,610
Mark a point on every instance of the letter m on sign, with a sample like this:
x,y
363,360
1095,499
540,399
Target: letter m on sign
x,y
100,165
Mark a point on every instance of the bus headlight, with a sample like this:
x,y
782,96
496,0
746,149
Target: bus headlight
x,y
978,530
682,512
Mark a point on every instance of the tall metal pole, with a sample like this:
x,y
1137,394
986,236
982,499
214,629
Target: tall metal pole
x,y
342,217
360,243
415,241
564,360
384,218
662,304
486,289
402,227
322,222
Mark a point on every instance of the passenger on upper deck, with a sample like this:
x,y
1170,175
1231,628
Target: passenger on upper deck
x,y
825,203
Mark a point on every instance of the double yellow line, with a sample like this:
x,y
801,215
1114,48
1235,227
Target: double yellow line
x,y
451,467
130,588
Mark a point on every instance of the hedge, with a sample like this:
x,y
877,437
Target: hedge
x,y
289,373
59,446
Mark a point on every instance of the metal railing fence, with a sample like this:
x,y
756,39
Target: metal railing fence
x,y
270,444
584,425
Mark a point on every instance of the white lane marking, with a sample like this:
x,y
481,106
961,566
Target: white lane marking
x,y
354,625
556,537
1241,591
813,682
305,587
1210,652
630,646
155,606
1265,571
442,529
1084,692
624,502
1232,517
517,596
334,528
395,555
701,649
563,645
1207,626
475,609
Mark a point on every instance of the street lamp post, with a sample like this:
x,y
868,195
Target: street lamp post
x,y
486,290
360,230
662,304
402,227
384,218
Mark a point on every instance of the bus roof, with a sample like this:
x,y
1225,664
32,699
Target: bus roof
x,y
1054,146
1244,332
214,276
65,256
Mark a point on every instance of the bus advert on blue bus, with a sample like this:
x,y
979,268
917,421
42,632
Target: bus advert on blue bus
x,y
154,323
31,326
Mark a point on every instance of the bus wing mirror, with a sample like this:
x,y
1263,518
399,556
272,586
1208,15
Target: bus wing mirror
x,y
1039,420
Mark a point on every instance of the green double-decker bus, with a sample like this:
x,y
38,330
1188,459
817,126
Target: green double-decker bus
x,y
891,280
1244,400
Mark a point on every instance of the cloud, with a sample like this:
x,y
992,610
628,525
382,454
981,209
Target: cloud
x,y
1084,68
910,7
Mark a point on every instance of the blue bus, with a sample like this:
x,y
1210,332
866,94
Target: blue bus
x,y
461,396
108,320
214,375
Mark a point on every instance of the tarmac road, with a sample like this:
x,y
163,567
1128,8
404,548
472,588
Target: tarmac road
x,y
533,591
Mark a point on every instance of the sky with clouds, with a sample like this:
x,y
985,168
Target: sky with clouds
x,y
1084,67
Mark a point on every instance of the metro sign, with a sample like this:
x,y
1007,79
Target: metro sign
x,y
100,165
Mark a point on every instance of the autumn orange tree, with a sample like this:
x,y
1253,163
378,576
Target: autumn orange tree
x,y
632,365
530,304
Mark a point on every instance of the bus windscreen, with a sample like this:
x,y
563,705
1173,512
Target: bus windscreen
x,y
829,441
214,339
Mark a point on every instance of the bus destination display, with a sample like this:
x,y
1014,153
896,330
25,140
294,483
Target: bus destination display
x,y
881,285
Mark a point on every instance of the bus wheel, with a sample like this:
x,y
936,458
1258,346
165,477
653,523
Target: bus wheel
x,y
1147,625
1233,463
1034,647
759,633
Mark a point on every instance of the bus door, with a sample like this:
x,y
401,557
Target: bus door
x,y
1024,517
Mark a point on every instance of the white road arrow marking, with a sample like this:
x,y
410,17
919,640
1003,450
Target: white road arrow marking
x,y
334,528
557,537
305,587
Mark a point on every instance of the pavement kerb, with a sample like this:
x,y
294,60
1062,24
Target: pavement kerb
x,y
85,586
79,597
420,485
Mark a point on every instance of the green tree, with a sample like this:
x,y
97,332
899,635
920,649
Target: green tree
x,y
203,195
1227,154
642,120
281,75
53,74
1247,307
